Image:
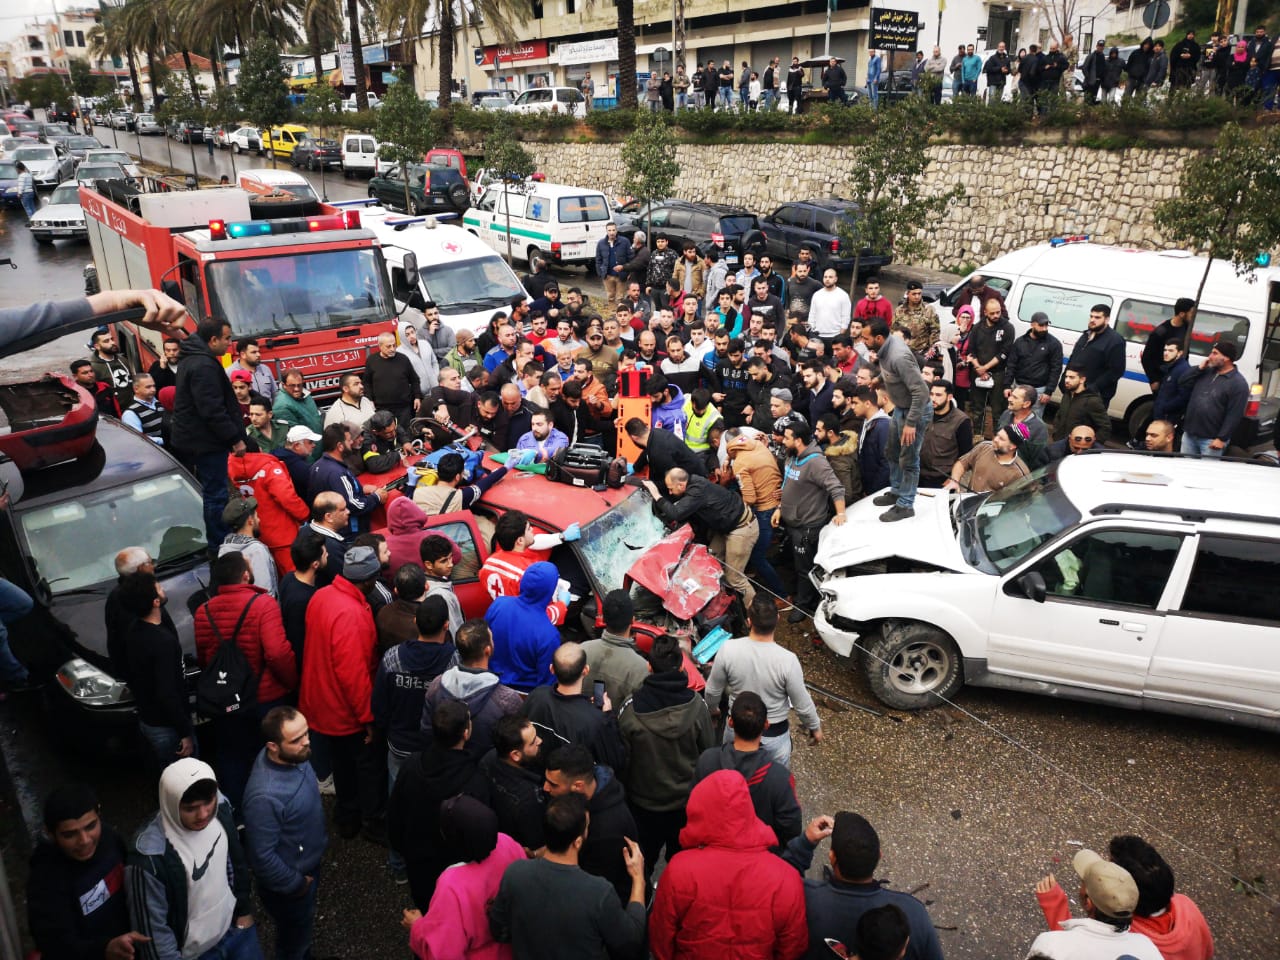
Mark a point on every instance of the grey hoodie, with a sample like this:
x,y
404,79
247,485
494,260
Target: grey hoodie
x,y
808,486
486,698
902,379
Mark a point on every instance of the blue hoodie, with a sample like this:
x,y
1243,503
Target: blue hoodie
x,y
524,640
671,415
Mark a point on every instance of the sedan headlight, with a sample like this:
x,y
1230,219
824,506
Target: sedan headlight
x,y
90,686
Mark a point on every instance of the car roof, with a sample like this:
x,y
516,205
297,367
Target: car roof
x,y
428,243
120,455
1159,274
1211,491
267,175
722,209
548,189
553,505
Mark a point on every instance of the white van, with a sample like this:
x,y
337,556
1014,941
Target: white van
x,y
1140,287
554,222
456,271
266,181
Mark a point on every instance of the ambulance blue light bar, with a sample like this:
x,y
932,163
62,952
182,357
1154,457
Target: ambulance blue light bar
x,y
238,230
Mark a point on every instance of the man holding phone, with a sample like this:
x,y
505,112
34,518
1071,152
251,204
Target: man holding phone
x,y
566,710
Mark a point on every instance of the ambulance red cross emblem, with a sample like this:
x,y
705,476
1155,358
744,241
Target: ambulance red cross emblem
x,y
450,247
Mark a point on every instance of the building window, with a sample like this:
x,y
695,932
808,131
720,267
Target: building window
x,y
66,38
79,38
570,6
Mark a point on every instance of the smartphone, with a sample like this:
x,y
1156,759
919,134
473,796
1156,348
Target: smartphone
x,y
597,694
836,947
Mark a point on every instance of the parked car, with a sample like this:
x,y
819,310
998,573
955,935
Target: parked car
x,y
245,140
89,172
1137,580
479,96
55,133
60,216
25,128
123,119
815,224
218,134
107,155
732,228
551,100
186,131
49,166
283,140
432,188
148,125
360,155
9,184
314,153
10,144
77,147
349,105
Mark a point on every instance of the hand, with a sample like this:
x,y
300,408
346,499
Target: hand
x,y
819,828
837,520
245,922
186,747
1043,398
633,858
572,532
1046,884
718,397
417,404
908,436
775,521
238,448
1006,394
163,313
121,947
1216,444
653,489
950,484
605,703
368,734
816,735
409,917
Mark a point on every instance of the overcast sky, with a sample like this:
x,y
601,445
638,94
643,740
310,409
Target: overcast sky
x,y
17,12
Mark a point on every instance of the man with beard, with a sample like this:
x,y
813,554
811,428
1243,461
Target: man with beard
x,y
108,366
542,438
285,835
514,770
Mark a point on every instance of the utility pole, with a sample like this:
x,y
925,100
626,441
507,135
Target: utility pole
x,y
826,41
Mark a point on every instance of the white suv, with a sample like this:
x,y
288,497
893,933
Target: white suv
x,y
1143,581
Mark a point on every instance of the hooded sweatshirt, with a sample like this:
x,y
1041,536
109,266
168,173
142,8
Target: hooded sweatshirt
x,y
725,896
671,415
1179,933
400,687
523,638
186,886
424,360
665,727
772,787
487,699
280,510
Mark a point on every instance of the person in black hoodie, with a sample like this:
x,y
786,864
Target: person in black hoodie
x,y
443,770
772,787
666,727
571,770
76,904
567,715
514,771
1136,69
207,423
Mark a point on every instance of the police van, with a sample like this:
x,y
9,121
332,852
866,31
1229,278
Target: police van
x,y
548,221
431,261
1065,277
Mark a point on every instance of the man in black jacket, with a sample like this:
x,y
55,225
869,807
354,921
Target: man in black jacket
x,y
1100,353
1035,359
391,382
207,423
76,905
989,344
513,769
1175,328
834,80
997,69
1094,69
567,715
662,451
718,516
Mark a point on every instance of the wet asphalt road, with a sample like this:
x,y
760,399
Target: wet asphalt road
x,y
971,811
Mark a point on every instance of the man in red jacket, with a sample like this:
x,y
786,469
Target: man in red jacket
x,y
725,860
238,609
337,688
280,510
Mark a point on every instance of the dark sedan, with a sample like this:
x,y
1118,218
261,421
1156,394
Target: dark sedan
x,y
314,153
433,188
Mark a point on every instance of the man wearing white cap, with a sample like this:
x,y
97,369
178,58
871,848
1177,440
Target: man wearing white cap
x,y
296,454
1109,896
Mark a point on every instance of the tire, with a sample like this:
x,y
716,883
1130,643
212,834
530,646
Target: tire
x,y
460,197
235,147
1138,418
752,242
910,665
535,253
311,164
415,208
293,162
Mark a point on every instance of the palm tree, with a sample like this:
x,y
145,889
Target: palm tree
x,y
107,40
408,18
626,53
146,30
322,22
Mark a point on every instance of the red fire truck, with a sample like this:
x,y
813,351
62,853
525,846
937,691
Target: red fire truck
x,y
311,286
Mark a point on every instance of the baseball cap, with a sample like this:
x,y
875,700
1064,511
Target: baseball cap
x,y
301,432
244,376
237,511
1110,886
1041,318
361,563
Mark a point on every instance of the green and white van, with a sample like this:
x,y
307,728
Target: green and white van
x,y
548,221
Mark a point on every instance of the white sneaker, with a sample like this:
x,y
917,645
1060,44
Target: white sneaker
x,y
326,786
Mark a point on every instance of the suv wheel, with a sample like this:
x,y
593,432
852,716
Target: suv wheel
x,y
235,146
910,664
535,253
751,242
1138,418
459,196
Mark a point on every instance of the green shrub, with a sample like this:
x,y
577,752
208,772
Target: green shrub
x,y
977,122
620,120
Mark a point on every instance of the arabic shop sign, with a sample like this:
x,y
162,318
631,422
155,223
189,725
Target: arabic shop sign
x,y
894,29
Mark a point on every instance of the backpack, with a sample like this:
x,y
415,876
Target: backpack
x,y
228,685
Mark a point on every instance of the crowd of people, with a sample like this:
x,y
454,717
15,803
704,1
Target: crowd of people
x,y
560,772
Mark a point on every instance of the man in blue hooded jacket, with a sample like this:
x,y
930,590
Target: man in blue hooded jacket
x,y
524,640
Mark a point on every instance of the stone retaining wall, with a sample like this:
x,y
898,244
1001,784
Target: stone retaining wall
x,y
1015,196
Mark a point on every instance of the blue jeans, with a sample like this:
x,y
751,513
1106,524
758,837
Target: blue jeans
x,y
759,560
769,100
29,204
904,461
776,748
395,760
164,743
1270,80
1200,445
211,471
726,97
14,605
873,91
295,920
682,100
236,945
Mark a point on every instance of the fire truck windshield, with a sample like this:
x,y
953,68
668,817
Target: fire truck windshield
x,y
300,292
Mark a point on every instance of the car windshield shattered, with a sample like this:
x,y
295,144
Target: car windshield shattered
x,y
1017,519
614,541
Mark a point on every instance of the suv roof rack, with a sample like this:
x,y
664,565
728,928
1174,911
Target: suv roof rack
x,y
1190,514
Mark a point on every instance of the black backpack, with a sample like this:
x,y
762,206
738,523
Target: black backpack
x,y
227,686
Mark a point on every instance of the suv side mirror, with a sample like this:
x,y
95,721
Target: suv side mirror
x,y
1030,585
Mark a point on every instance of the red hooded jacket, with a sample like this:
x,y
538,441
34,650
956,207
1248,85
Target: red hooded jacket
x,y
261,637
280,509
337,672
406,529
1180,933
724,896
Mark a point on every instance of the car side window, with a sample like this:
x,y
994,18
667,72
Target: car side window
x,y
679,220
659,217
1112,567
1236,579
468,568
1067,309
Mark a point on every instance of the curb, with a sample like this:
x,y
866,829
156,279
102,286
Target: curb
x,y
16,771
